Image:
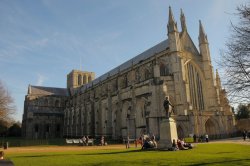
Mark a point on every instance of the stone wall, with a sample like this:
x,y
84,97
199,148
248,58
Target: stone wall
x,y
243,124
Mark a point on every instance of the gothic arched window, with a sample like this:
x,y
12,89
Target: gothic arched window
x,y
89,78
195,86
36,127
79,79
47,128
84,79
57,104
164,70
137,75
46,102
115,85
147,74
125,81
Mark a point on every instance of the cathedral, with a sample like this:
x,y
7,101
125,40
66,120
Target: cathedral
x,y
128,100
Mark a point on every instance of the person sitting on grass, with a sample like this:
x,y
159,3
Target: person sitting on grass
x,y
186,145
174,146
180,145
154,141
148,144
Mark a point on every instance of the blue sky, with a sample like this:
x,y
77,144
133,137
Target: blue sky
x,y
42,41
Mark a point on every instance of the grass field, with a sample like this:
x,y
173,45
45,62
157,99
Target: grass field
x,y
203,154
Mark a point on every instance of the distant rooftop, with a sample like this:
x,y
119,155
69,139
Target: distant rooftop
x,y
40,90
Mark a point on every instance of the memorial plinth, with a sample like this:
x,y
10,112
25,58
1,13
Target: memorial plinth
x,y
168,132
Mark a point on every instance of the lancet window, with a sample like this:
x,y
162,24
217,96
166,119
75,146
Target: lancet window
x,y
195,86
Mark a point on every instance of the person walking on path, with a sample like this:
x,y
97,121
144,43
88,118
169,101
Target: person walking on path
x,y
244,134
83,140
206,137
102,141
87,140
194,137
127,143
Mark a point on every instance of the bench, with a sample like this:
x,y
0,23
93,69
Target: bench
x,y
79,141
69,141
76,141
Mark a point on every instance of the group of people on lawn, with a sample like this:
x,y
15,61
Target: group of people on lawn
x,y
85,140
180,145
149,142
201,138
145,141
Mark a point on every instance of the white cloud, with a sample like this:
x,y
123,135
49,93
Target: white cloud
x,y
40,80
42,42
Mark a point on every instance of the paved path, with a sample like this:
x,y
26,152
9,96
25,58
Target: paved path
x,y
237,140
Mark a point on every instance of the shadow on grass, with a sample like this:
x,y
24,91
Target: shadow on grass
x,y
226,161
107,153
83,154
224,152
46,155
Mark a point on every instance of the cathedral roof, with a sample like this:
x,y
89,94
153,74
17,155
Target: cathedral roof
x,y
41,90
137,59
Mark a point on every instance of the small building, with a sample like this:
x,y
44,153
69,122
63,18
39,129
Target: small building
x,y
44,112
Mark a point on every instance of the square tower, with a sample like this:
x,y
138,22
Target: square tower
x,y
77,78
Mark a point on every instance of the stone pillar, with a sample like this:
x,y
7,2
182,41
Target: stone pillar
x,y
168,132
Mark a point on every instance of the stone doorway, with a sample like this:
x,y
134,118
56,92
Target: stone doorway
x,y
210,127
180,132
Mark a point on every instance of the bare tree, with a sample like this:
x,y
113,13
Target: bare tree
x,y
7,107
235,60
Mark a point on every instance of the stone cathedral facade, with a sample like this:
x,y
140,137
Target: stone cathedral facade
x,y
128,100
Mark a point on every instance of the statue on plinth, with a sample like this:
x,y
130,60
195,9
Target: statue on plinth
x,y
168,107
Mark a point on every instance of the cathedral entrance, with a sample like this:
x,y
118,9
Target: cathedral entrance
x,y
210,128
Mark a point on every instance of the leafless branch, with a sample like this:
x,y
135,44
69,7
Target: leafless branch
x,y
235,60
7,107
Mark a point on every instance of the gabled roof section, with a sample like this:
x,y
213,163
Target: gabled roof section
x,y
41,90
188,44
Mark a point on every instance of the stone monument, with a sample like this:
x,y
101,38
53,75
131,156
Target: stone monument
x,y
168,132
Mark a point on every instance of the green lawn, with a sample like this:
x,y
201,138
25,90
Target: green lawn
x,y
203,154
